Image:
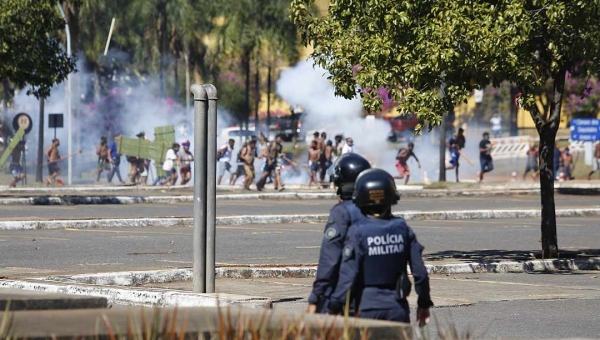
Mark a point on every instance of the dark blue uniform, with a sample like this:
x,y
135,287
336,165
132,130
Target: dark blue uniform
x,y
375,255
341,217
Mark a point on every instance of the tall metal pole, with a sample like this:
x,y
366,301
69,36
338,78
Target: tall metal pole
x,y
69,113
211,186
40,154
199,206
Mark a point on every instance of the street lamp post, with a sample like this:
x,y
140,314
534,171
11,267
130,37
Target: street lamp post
x,y
69,113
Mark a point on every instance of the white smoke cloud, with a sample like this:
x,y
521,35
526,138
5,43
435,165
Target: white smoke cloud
x,y
307,85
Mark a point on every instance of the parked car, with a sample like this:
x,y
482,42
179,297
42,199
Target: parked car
x,y
235,132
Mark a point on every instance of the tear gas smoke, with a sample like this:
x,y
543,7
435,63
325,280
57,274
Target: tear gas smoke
x,y
307,86
126,110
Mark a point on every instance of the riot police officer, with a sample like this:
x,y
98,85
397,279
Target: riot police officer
x,y
341,217
376,252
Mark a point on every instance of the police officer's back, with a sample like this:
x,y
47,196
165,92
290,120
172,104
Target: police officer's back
x,y
341,217
376,253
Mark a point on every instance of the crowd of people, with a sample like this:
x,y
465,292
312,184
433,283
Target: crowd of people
x,y
260,161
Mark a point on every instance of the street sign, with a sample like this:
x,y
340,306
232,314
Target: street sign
x,y
585,129
55,120
22,120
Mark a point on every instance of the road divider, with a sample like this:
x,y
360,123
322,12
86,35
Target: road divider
x,y
282,219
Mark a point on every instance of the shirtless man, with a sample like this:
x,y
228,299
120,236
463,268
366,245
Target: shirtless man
x,y
52,157
103,159
321,141
273,163
567,162
402,161
596,163
15,165
248,154
313,162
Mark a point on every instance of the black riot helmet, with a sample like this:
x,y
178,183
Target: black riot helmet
x,y
345,171
375,187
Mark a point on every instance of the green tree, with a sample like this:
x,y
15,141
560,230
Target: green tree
x,y
259,31
30,51
416,47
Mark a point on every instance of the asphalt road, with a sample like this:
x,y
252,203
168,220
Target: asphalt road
x,y
95,250
275,207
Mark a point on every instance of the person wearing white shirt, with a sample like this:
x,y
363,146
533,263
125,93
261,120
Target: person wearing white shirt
x,y
169,164
348,147
496,122
224,155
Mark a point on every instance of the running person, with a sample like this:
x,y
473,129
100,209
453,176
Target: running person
x,y
187,158
402,161
485,156
103,159
567,163
53,157
16,169
453,147
274,153
248,155
115,159
532,163
224,159
239,171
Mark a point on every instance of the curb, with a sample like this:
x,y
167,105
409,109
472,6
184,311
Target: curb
x,y
148,297
74,199
281,219
136,278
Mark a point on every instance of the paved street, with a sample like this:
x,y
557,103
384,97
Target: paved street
x,y
88,250
490,306
274,207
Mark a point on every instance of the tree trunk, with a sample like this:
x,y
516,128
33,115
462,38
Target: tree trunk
x,y
256,95
161,9
442,150
547,129
97,94
40,153
246,65
6,99
188,113
176,80
269,100
514,111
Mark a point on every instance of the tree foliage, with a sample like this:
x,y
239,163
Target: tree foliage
x,y
30,51
418,48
